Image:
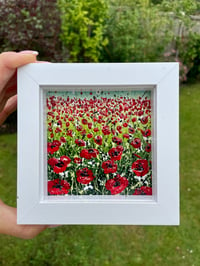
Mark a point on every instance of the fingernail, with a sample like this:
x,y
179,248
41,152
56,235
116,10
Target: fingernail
x,y
29,52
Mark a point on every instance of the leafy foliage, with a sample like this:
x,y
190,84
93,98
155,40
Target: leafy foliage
x,y
103,30
181,10
181,7
83,26
189,52
33,24
186,42
136,32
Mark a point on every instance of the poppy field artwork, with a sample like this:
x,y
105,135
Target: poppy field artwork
x,y
99,141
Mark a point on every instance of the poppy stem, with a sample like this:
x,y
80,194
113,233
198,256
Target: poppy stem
x,y
137,184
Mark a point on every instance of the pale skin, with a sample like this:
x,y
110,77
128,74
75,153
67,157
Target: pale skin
x,y
9,62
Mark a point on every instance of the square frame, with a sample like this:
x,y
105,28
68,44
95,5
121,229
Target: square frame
x,y
33,207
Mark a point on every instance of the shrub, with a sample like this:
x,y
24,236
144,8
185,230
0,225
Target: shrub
x,y
136,32
33,24
181,8
189,52
83,26
186,43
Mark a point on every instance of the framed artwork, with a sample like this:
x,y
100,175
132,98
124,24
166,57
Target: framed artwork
x,y
98,143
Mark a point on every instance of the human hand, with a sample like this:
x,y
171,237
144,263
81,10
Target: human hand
x,y
9,62
9,226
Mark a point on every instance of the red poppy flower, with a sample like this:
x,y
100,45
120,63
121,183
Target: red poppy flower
x,y
83,132
51,114
53,161
80,142
58,130
89,154
125,124
89,125
67,124
140,113
136,143
144,120
59,165
120,108
147,112
106,130
126,107
77,160
126,136
56,142
109,167
120,148
84,121
148,147
59,123
115,154
79,127
98,140
140,167
119,129
143,191
117,140
96,129
58,187
131,130
62,139
113,131
70,133
117,184
145,133
84,176
89,135
53,147
134,119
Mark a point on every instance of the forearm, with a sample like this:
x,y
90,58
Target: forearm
x,y
9,226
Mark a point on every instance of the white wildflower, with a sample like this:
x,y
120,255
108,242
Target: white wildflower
x,y
61,174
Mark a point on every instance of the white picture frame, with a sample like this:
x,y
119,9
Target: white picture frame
x,y
33,204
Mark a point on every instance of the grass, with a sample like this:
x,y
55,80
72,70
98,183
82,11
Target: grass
x,y
117,245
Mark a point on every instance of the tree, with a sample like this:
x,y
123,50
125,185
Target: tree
x,y
33,24
136,31
83,27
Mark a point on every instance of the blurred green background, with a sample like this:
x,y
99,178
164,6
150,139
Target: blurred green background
x,y
110,31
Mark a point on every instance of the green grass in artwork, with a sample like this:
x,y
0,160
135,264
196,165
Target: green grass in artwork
x,y
116,245
99,142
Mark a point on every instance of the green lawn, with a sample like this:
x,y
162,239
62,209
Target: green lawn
x,y
117,245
